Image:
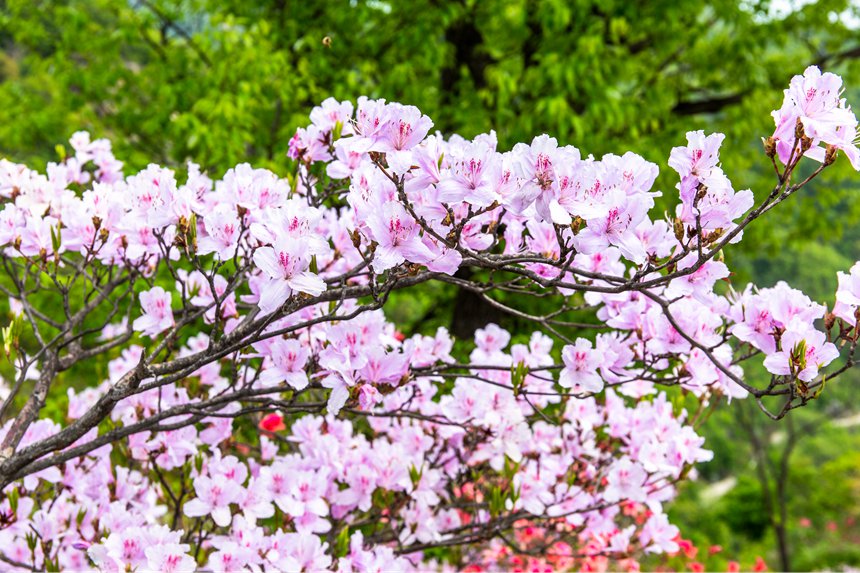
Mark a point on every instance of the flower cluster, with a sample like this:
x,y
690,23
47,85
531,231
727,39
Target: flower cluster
x,y
600,476
814,113
708,202
259,411
779,321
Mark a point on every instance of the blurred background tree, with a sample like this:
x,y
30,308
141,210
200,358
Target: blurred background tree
x,y
227,81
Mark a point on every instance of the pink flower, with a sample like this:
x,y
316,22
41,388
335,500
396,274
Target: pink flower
x,y
804,351
581,362
309,144
620,540
699,157
626,481
757,326
196,285
286,268
371,119
699,283
846,140
120,549
36,236
214,497
687,547
382,367
471,178
170,558
332,112
362,484
534,165
286,363
230,557
814,99
368,397
617,227
300,494
222,232
396,233
405,128
848,295
707,196
659,536
303,552
492,338
157,314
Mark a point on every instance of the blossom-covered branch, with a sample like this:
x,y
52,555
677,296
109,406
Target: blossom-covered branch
x,y
259,410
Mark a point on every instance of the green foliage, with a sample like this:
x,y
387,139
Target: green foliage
x,y
743,510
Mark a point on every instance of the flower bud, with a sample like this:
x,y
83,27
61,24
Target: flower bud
x,y
678,227
798,130
769,146
830,155
576,225
183,225
829,320
713,236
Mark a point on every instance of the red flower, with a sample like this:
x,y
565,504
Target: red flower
x,y
272,423
733,567
697,567
687,547
760,565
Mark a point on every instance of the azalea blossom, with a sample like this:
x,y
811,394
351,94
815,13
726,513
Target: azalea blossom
x,y
804,351
848,295
287,364
581,362
157,313
286,267
814,100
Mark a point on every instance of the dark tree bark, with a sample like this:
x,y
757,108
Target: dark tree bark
x,y
471,312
